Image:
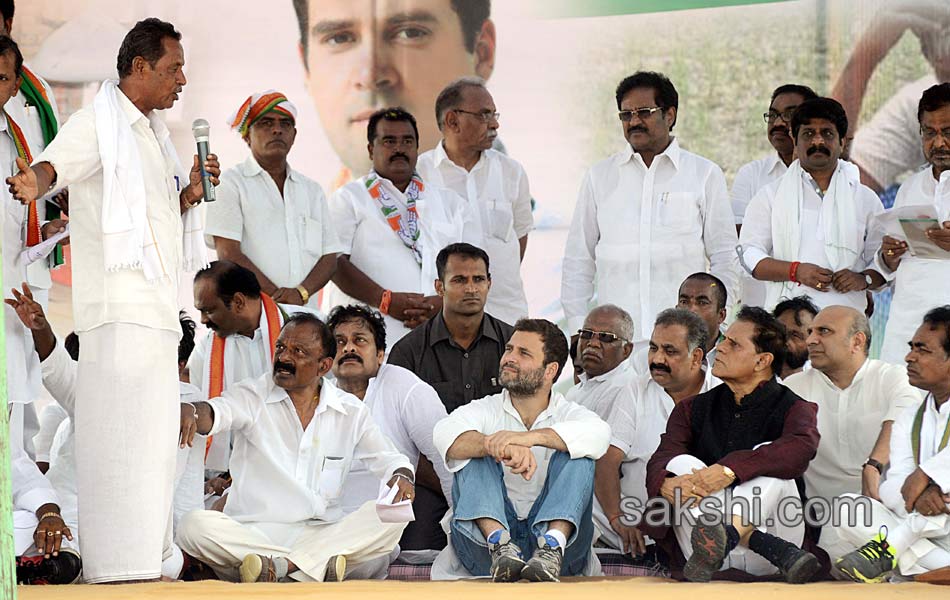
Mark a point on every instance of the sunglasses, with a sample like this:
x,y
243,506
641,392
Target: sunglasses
x,y
604,337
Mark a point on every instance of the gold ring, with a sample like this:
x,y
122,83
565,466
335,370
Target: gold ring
x,y
819,285
49,534
890,253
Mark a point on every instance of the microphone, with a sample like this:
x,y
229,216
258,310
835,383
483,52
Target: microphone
x,y
200,128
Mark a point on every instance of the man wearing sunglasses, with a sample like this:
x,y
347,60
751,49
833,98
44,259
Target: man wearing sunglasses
x,y
603,347
753,176
647,216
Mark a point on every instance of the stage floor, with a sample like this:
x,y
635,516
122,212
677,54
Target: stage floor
x,y
586,589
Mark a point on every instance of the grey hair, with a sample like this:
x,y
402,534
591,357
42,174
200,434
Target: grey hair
x,y
860,324
450,97
626,321
696,330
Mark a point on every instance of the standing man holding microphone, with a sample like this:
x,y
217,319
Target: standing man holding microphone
x,y
132,233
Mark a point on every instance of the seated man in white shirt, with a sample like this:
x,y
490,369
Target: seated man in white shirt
x,y
677,371
268,217
909,528
647,216
603,348
296,436
796,314
524,470
814,225
392,225
858,399
405,408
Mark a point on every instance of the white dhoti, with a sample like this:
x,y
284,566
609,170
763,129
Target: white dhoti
x,y
926,533
222,542
766,496
127,421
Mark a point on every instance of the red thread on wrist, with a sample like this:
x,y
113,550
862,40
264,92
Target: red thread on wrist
x,y
793,272
385,301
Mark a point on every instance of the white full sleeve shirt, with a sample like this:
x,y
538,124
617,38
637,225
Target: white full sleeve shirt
x,y
497,189
601,393
285,474
376,250
752,177
284,236
406,410
757,243
849,421
638,232
584,433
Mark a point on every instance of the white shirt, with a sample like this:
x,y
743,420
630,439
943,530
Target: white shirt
x,y
637,233
284,236
752,177
497,189
376,250
889,145
849,421
122,296
757,243
406,410
584,433
935,464
286,474
600,394
919,283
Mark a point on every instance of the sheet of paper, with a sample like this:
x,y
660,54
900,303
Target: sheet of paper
x,y
34,253
888,222
915,232
401,512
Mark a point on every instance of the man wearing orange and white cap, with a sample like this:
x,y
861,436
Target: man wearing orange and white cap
x,y
268,217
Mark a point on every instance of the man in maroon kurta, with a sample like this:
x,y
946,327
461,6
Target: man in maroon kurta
x,y
751,437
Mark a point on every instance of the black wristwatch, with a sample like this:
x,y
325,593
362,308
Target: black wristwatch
x,y
876,464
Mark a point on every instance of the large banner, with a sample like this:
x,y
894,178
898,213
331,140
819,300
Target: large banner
x,y
552,67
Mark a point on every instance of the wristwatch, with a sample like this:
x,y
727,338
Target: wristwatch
x,y
729,472
868,280
874,463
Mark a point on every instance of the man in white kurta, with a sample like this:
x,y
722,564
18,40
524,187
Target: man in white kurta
x,y
495,185
392,224
296,437
909,528
920,283
647,216
813,227
603,350
638,418
754,175
127,187
269,217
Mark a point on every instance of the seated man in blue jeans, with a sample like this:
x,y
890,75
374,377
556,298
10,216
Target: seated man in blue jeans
x,y
524,470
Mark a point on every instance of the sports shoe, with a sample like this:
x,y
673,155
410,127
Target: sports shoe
x,y
709,552
63,569
799,566
506,561
870,563
545,565
336,568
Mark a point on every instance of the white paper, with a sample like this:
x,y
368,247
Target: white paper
x,y
888,222
921,246
34,253
401,512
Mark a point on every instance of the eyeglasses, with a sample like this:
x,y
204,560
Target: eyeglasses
x,y
604,337
484,116
785,115
642,113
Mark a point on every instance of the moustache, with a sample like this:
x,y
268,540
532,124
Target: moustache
x,y
659,367
354,357
639,128
815,149
398,155
779,129
286,367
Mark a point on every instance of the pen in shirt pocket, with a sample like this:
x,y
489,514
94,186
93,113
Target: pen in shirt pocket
x,y
177,184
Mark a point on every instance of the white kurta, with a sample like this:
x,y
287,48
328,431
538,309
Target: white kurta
x,y
757,243
497,189
129,331
31,490
920,284
849,421
406,410
637,233
284,236
376,250
600,394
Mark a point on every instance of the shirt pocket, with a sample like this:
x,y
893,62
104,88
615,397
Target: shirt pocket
x,y
500,221
678,211
330,484
445,233
313,236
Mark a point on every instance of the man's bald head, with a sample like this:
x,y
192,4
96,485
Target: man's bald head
x,y
605,340
839,338
854,322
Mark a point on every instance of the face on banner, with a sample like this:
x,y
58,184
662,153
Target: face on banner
x,y
362,55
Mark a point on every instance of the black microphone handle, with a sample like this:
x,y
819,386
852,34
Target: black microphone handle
x,y
206,185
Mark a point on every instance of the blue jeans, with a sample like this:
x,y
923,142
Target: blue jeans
x,y
567,495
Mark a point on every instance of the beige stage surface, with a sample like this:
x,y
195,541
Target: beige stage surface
x,y
587,589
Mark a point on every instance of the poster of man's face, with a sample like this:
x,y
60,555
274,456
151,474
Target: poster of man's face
x,y
362,55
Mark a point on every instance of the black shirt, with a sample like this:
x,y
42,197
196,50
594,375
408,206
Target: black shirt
x,y
459,375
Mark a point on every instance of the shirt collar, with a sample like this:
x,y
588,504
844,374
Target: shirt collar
x,y
134,115
932,406
858,376
330,397
251,168
441,156
775,162
618,371
673,152
554,401
440,332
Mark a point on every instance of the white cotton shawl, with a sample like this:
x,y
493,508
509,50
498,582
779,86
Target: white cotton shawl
x,y
842,242
128,240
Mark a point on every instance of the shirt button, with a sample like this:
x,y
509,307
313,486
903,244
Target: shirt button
x,y
465,355
468,386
